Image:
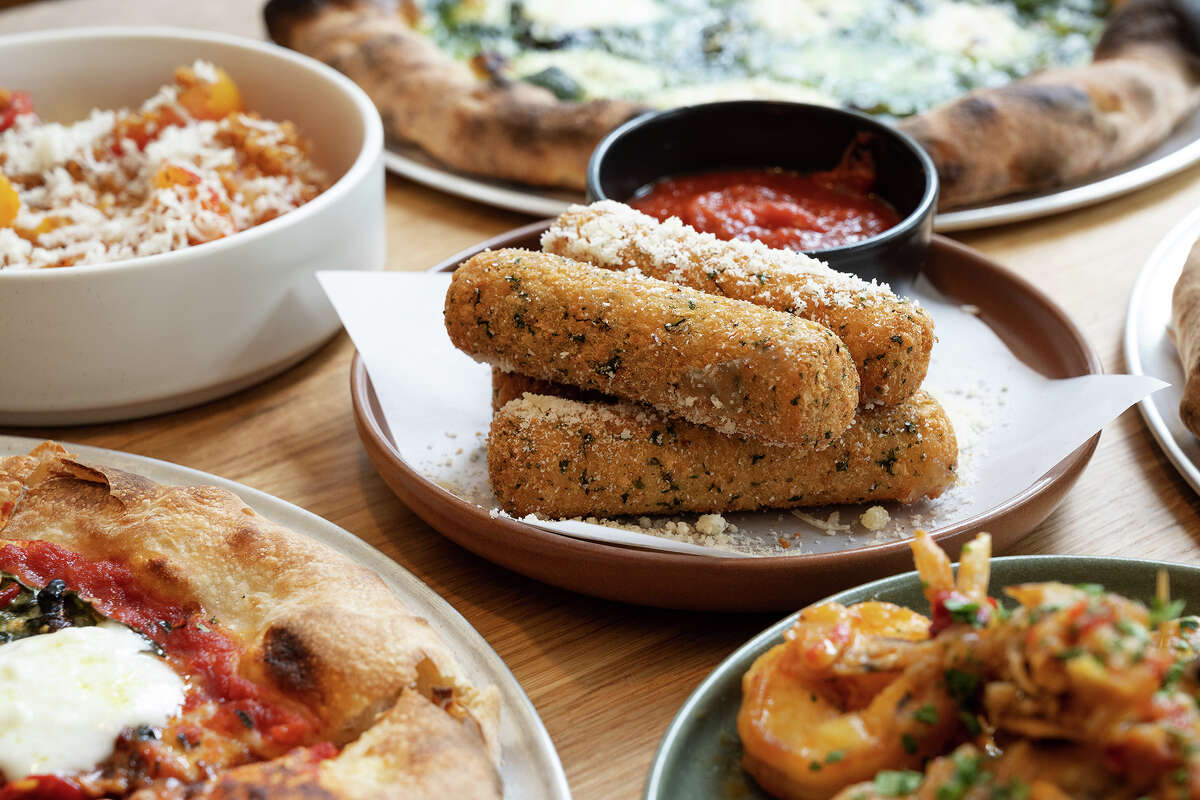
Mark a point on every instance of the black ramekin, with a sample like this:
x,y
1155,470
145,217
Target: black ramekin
x,y
796,136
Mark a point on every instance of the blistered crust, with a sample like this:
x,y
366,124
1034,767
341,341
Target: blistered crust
x,y
1061,125
414,752
1185,321
318,627
514,131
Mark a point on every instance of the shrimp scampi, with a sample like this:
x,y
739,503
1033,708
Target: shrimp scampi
x,y
1073,692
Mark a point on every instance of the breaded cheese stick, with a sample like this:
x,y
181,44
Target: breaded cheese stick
x,y
888,336
737,367
563,458
511,385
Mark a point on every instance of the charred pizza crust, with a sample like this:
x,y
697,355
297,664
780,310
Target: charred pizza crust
x,y
1062,125
1185,323
513,131
1052,128
311,624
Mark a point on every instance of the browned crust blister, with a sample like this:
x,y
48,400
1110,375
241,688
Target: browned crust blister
x,y
515,131
414,752
563,458
1048,129
314,625
889,338
1061,125
734,366
1185,322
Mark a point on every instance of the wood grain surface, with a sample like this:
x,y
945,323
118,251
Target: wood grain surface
x,y
607,678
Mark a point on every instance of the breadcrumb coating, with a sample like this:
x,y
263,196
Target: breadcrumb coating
x,y
511,385
733,366
564,458
890,338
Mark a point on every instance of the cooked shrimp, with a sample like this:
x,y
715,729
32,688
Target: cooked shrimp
x,y
961,600
851,691
1075,693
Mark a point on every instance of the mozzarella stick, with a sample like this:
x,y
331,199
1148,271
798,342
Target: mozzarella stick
x,y
888,336
511,385
563,458
736,367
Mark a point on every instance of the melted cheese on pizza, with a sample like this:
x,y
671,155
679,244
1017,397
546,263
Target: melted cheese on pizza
x,y
66,696
988,34
806,17
880,56
556,14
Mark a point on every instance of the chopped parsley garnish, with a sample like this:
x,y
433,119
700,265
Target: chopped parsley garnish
x,y
1161,612
963,610
962,686
927,714
971,722
895,783
967,773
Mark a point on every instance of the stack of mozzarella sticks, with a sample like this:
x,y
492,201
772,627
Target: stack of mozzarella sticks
x,y
641,367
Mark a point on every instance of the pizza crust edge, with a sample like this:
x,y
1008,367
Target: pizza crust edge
x,y
506,130
313,624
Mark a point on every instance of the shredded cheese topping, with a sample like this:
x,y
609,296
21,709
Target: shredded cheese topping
x,y
189,166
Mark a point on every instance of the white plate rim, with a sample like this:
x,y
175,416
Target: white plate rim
x,y
1159,260
522,732
1160,163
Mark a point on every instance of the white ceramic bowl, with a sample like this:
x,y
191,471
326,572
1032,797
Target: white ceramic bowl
x,y
153,334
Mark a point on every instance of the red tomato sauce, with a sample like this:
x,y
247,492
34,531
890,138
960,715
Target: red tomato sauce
x,y
781,209
196,645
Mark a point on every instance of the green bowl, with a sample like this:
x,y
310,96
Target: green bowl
x,y
700,756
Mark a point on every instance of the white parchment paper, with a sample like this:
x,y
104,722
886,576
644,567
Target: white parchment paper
x,y
1012,424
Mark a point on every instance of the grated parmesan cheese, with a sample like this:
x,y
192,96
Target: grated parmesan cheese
x,y
875,518
90,193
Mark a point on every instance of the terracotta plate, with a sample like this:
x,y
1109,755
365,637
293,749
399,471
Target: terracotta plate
x,y
1036,330
700,756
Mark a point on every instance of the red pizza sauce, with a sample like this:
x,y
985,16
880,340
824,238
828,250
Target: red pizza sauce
x,y
199,648
781,209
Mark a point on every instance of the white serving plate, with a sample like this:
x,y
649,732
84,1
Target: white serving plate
x,y
1149,349
1179,151
530,763
153,334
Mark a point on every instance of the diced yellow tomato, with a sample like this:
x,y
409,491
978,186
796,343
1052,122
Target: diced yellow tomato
x,y
48,224
10,202
169,175
204,100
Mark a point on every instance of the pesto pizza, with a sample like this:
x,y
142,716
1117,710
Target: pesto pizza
x,y
166,642
1007,95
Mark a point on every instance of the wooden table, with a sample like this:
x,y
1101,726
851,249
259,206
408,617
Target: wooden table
x,y
607,678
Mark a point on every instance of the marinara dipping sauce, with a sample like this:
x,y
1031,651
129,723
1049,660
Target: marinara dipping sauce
x,y
780,208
